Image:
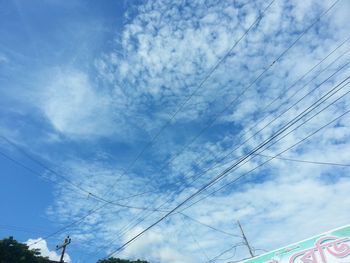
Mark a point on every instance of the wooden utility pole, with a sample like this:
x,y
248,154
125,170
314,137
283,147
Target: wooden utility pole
x,y
245,240
67,241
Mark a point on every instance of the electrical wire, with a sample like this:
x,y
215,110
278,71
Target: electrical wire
x,y
277,59
261,121
233,102
213,181
70,182
209,226
225,251
18,163
306,161
69,225
299,37
242,136
64,178
178,110
195,239
282,153
244,90
333,89
95,196
281,114
273,157
209,74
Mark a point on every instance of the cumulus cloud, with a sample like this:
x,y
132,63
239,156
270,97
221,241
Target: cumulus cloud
x,y
45,251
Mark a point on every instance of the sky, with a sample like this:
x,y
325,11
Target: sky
x,y
115,112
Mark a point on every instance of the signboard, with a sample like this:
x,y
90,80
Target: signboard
x,y
330,247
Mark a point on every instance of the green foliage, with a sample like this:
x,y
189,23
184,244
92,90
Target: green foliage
x,y
118,260
12,251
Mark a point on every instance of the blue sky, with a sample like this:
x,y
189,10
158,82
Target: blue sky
x,y
86,85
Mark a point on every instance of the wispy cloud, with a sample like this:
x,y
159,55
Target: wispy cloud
x,y
75,107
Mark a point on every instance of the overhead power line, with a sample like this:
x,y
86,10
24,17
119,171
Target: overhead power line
x,y
194,92
204,80
90,193
290,147
306,161
26,167
196,177
70,182
188,228
217,257
245,89
209,226
279,115
293,43
179,109
221,175
162,210
232,102
274,61
285,101
69,225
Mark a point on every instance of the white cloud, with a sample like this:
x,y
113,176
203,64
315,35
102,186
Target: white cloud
x,y
74,106
45,251
166,49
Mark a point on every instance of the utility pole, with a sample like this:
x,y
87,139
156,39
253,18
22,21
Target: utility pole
x,y
67,241
245,240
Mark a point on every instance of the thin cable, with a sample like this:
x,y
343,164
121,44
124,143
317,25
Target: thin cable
x,y
290,87
101,199
306,161
71,224
21,150
231,257
209,226
225,251
71,183
194,239
51,180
